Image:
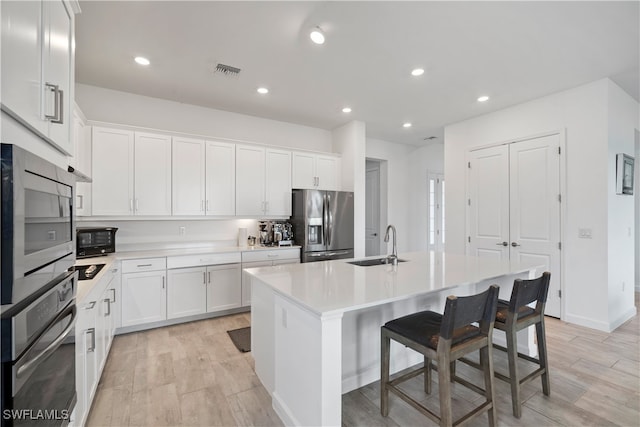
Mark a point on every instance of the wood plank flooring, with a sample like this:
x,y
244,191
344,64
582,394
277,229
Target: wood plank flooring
x,y
192,375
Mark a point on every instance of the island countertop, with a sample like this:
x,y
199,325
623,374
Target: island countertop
x,y
333,287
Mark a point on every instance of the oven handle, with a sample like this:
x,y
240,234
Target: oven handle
x,y
26,367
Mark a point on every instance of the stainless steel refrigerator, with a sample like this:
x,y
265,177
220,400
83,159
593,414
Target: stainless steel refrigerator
x,y
323,224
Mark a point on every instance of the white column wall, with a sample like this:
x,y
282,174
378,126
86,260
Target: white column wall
x,y
350,141
623,122
582,115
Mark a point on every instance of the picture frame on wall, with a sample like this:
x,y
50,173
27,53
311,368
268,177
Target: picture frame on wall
x,y
624,174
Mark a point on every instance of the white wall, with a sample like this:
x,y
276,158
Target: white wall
x,y
636,192
349,140
581,114
622,124
106,105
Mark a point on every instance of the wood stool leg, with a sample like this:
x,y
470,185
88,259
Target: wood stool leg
x,y
444,385
385,344
512,355
427,375
542,356
486,361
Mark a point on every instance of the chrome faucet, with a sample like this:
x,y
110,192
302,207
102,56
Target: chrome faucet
x,y
393,258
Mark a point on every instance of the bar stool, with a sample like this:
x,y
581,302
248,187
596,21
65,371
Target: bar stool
x,y
515,315
444,338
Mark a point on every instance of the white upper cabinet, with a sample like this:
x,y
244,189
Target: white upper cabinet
x,y
152,174
81,160
131,173
220,178
204,174
188,176
263,181
316,171
112,169
37,63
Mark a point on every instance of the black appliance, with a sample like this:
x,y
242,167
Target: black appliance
x,y
95,241
38,357
88,272
37,223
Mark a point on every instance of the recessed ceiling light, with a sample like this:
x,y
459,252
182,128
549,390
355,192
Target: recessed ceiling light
x,y
317,35
346,110
483,98
263,90
406,125
417,72
142,60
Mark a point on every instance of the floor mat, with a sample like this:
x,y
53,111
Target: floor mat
x,y
241,338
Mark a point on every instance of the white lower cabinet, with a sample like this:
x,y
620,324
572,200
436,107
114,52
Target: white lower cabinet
x,y
95,327
223,287
186,292
144,293
264,258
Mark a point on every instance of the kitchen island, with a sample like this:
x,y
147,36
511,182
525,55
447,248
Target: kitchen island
x,y
316,326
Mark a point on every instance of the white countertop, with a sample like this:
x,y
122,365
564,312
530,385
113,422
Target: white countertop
x,y
85,286
332,287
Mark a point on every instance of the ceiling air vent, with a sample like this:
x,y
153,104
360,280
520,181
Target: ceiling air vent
x,y
227,70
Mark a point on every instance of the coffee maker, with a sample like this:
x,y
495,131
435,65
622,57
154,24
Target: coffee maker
x,y
265,232
275,233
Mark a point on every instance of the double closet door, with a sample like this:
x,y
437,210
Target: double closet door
x,y
513,206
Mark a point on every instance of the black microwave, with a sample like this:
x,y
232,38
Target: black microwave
x,y
95,241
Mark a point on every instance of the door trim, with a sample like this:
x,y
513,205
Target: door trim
x,y
562,133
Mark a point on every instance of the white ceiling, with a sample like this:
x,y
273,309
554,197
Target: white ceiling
x,y
511,51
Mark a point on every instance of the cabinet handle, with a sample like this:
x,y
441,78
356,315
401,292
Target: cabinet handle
x,y
502,244
208,208
115,270
162,282
56,103
60,107
514,244
137,205
144,265
209,273
90,305
92,331
80,198
131,205
204,277
114,294
108,313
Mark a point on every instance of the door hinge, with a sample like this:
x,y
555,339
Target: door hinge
x,y
560,198
469,165
559,245
559,150
559,293
469,239
469,202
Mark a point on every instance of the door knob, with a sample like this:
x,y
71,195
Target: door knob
x,y
514,244
502,244
374,234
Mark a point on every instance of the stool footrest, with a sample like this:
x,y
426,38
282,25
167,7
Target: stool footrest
x,y
394,382
520,355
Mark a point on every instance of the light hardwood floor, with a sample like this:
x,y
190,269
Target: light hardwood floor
x,y
192,375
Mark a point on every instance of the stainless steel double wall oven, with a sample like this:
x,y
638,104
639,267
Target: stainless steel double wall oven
x,y
37,290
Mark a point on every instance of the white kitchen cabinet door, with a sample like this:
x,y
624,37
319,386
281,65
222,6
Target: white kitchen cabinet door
x,y
114,293
278,183
86,367
220,178
188,176
22,61
186,292
112,170
327,172
304,170
36,50
81,160
224,287
144,298
152,171
250,180
57,66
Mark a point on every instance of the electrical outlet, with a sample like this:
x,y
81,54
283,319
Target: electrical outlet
x,y
584,233
182,230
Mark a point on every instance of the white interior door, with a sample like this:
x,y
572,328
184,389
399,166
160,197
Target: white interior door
x,y
372,210
514,206
535,208
488,202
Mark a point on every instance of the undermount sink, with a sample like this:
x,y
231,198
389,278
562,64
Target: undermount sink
x,y
372,262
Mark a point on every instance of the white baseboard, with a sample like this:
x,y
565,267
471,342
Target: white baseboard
x,y
283,411
623,318
586,322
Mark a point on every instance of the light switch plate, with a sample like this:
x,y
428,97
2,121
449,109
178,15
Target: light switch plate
x,y
584,233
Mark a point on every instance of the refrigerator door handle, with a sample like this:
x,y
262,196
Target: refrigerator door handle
x,y
325,219
329,220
